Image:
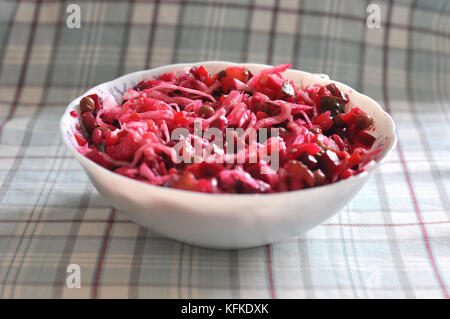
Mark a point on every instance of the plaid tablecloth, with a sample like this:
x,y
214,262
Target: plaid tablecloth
x,y
392,240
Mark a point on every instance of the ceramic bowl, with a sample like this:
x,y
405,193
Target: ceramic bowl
x,y
226,220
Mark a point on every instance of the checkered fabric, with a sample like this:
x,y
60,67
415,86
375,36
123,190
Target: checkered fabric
x,y
391,241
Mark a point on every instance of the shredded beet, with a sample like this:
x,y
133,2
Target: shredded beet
x,y
201,132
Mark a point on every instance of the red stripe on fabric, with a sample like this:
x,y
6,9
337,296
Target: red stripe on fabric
x,y
422,226
270,271
402,159
98,271
388,225
24,69
152,34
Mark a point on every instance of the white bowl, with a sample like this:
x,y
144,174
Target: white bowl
x,y
226,220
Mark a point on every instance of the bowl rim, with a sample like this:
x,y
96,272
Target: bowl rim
x,y
64,130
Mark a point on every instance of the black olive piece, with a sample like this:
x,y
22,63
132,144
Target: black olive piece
x,y
335,91
222,74
363,121
333,104
206,110
87,104
338,122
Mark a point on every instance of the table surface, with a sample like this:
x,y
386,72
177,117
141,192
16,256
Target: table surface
x,y
391,241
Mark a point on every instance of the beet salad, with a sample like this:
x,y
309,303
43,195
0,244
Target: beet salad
x,y
229,132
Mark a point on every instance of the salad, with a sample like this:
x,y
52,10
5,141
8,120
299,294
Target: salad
x,y
229,132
